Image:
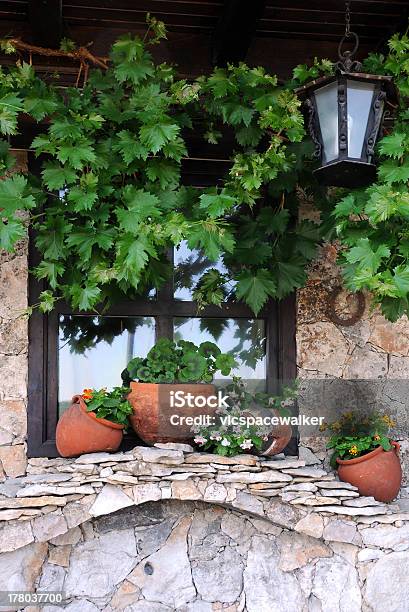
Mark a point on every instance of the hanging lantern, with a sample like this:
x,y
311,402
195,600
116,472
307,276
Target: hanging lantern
x,y
345,114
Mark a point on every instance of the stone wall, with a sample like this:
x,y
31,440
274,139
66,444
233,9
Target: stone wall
x,y
349,367
165,529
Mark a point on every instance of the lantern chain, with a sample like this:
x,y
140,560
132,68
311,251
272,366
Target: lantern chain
x,y
347,19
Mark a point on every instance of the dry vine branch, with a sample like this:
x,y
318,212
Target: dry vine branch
x,y
82,54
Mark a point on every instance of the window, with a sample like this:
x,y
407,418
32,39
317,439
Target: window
x,y
69,350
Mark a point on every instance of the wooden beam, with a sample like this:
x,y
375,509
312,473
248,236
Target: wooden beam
x,y
235,30
45,19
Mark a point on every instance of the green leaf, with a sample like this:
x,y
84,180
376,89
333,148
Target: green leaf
x,y
13,195
364,255
10,232
347,206
134,71
78,155
132,257
82,200
58,177
85,298
129,147
401,280
84,240
10,107
155,136
49,270
215,205
255,287
393,145
393,172
162,170
290,275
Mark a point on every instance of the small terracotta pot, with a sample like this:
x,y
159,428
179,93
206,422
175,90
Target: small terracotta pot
x,y
277,440
79,432
152,410
377,474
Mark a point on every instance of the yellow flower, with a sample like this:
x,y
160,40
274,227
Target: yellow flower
x,y
377,437
353,450
347,415
337,426
323,426
387,419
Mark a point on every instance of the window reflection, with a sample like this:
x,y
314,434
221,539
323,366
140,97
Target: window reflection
x,y
243,338
189,265
93,351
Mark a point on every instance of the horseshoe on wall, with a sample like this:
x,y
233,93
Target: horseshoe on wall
x,y
354,318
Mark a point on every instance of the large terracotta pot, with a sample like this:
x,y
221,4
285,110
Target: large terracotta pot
x,y
152,410
377,474
79,432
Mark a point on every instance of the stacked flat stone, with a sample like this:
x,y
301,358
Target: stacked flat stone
x,y
59,494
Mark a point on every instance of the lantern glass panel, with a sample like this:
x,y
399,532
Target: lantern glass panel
x,y
326,99
359,100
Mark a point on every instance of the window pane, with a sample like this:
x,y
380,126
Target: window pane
x,y
244,338
326,99
359,99
93,351
189,265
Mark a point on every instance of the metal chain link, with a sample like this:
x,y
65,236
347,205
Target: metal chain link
x,y
347,19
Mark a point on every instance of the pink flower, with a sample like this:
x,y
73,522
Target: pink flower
x,y
200,440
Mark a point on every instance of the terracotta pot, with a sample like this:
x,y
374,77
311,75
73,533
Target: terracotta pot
x,y
79,432
152,410
377,474
277,440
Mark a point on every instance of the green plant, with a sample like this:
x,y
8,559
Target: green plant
x,y
355,434
182,361
109,202
234,431
110,405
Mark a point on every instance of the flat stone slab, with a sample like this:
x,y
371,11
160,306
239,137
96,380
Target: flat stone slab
x,y
251,477
209,458
362,502
308,472
353,511
340,493
336,484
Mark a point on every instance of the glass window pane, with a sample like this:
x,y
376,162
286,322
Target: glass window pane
x,y
359,100
93,351
189,265
244,338
326,99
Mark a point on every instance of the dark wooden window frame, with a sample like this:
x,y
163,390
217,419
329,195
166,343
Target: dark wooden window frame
x,y
280,318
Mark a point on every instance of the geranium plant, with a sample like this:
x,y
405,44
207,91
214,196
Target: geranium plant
x,y
179,362
233,432
355,434
110,405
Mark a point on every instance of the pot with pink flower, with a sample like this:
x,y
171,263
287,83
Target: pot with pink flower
x,y
246,425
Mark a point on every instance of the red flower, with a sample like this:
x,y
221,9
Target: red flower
x,y
87,394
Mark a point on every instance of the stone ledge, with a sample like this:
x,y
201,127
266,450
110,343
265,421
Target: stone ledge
x,y
59,494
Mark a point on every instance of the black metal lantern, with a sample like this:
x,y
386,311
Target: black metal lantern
x,y
345,114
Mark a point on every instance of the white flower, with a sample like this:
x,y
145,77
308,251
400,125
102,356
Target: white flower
x,y
271,401
200,440
225,442
265,438
246,444
216,436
